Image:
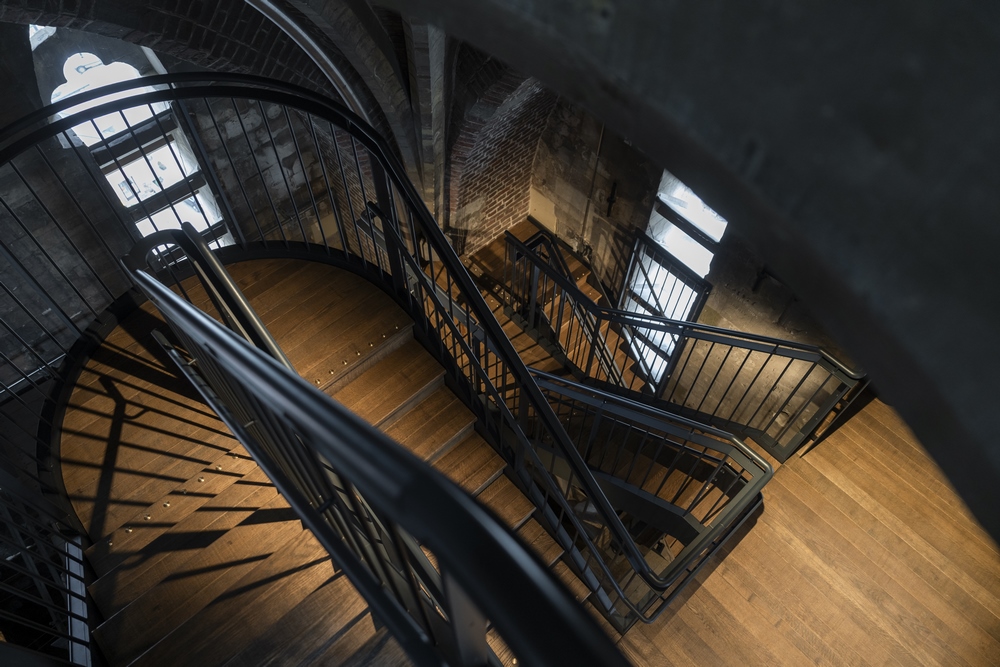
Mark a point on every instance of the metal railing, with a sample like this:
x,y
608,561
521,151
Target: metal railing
x,y
777,393
684,486
379,511
295,175
43,598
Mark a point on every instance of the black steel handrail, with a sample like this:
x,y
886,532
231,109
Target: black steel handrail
x,y
680,326
492,570
227,298
419,249
533,298
656,430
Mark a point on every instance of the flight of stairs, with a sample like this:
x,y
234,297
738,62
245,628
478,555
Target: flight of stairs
x,y
217,569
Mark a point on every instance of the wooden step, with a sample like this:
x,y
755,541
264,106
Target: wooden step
x,y
249,608
148,523
536,537
186,590
507,502
433,426
182,543
472,464
326,615
390,387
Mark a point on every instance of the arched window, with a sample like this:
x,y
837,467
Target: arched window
x,y
142,151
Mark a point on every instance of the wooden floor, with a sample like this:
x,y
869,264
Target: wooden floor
x,y
862,555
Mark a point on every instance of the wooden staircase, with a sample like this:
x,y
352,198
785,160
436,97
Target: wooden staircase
x,y
197,559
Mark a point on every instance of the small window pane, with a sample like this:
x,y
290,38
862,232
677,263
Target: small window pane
x,y
200,211
680,198
146,176
695,256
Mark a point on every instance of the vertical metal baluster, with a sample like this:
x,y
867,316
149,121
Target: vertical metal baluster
x,y
207,166
350,199
223,140
44,253
739,370
260,175
329,191
90,223
177,161
361,182
284,177
305,175
763,400
714,378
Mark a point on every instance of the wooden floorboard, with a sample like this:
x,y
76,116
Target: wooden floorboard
x,y
862,556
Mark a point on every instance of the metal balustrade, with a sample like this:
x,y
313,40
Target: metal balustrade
x,y
294,175
685,486
777,393
43,598
380,511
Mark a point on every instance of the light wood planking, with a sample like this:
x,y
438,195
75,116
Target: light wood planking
x,y
862,556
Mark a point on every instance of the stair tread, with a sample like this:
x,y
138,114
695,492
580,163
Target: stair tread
x,y
170,551
432,425
330,611
178,597
576,587
507,501
368,328
136,532
248,609
382,390
535,536
471,464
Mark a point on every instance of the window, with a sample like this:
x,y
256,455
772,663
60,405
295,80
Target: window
x,y
667,274
142,152
38,34
682,223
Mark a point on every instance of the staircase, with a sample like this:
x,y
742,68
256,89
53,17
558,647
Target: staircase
x,y
185,531
194,536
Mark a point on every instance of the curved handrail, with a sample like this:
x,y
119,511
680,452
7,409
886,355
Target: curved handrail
x,y
748,471
725,439
777,392
225,295
22,136
513,589
680,326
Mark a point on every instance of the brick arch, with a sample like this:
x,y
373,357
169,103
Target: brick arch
x,y
492,185
222,35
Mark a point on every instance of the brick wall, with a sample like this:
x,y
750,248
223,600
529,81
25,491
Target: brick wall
x,y
496,172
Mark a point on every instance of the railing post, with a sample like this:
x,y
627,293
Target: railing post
x,y
533,297
386,211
